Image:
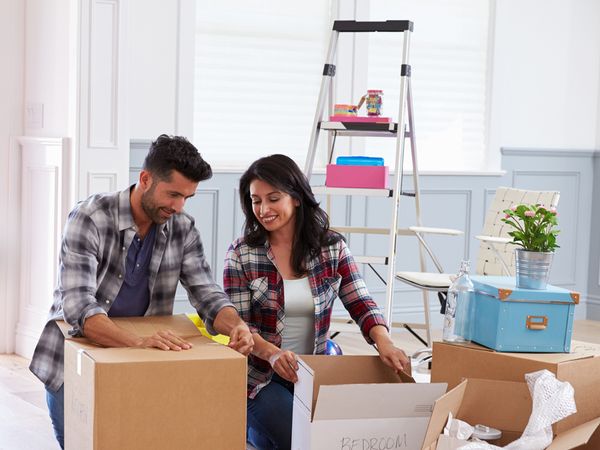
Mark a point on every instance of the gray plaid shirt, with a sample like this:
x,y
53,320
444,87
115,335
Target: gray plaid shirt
x,y
91,270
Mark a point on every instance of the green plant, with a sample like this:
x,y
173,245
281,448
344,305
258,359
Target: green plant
x,y
533,227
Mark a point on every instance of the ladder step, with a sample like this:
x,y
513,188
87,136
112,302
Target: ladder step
x,y
407,194
380,260
361,128
390,26
326,190
371,230
361,230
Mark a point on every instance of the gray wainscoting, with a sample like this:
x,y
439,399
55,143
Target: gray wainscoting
x,y
448,200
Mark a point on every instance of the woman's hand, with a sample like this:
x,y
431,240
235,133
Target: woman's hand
x,y
393,357
284,363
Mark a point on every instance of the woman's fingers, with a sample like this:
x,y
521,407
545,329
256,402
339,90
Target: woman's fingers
x,y
286,365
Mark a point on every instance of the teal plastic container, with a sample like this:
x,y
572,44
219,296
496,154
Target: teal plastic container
x,y
359,161
511,319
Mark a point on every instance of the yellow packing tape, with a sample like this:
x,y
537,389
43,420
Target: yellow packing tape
x,y
221,339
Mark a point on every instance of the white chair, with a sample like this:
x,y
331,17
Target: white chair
x,y
496,254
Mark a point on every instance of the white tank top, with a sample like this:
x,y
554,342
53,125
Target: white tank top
x,y
299,324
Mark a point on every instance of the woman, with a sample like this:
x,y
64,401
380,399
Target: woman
x,y
283,276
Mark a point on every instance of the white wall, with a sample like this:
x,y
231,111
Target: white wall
x,y
12,40
161,61
546,75
49,52
71,64
40,36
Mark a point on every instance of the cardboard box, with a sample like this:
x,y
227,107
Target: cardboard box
x,y
504,405
129,398
356,402
512,319
368,177
453,362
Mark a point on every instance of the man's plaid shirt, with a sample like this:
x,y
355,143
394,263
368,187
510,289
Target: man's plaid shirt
x,y
92,263
256,289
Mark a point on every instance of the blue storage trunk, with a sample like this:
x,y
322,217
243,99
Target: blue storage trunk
x,y
511,319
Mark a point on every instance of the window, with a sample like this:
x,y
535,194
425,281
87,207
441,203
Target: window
x,y
258,69
257,74
449,59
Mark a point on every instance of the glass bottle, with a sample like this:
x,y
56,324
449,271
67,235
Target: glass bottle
x,y
459,320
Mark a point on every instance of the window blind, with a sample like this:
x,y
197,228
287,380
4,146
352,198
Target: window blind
x,y
258,68
449,59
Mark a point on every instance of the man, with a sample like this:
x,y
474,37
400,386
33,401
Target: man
x,y
123,254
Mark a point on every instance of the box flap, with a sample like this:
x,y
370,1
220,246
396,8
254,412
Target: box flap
x,y
349,369
505,289
505,405
148,325
303,388
448,403
577,436
378,400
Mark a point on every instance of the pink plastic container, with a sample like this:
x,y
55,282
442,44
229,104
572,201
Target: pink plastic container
x,y
370,177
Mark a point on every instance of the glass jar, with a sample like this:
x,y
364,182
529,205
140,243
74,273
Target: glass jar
x,y
374,100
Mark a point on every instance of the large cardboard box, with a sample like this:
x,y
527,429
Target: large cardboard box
x,y
128,398
356,402
512,319
453,362
504,405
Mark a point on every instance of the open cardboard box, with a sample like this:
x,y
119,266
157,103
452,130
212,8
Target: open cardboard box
x,y
453,362
130,398
504,405
356,402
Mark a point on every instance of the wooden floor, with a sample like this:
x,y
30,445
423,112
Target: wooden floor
x,y
24,422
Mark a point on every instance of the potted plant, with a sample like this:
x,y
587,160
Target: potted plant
x,y
534,231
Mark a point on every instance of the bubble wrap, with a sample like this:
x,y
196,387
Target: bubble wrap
x,y
553,400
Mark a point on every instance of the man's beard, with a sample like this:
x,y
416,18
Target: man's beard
x,y
150,207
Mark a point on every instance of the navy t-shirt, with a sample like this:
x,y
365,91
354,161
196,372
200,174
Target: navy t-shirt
x,y
134,297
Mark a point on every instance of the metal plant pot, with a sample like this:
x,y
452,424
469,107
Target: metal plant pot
x,y
532,268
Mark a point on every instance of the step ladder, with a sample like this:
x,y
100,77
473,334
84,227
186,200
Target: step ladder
x,y
401,130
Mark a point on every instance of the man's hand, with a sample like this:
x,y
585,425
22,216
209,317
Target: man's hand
x,y
100,329
240,339
164,340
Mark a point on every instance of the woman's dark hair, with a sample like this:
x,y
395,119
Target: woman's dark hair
x,y
168,153
312,223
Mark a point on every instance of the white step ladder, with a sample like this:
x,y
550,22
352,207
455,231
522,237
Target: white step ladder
x,y
405,124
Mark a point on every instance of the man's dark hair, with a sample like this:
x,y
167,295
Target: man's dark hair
x,y
168,153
